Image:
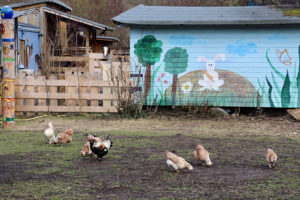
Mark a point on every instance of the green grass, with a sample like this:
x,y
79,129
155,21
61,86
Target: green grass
x,y
136,164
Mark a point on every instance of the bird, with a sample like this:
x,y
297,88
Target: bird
x,y
49,133
177,162
202,154
64,137
86,149
271,157
100,148
97,139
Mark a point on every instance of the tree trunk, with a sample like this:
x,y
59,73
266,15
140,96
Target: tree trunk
x,y
174,86
147,80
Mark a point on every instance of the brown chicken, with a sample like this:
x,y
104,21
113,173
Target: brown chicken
x,y
271,158
86,149
64,137
202,154
177,162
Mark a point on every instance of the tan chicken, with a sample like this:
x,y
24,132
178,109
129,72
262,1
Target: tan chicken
x,y
202,154
177,162
86,149
271,158
64,137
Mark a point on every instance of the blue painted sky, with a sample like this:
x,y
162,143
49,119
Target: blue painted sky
x,y
245,49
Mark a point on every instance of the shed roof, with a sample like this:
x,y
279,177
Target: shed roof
x,y
171,15
107,38
78,19
21,3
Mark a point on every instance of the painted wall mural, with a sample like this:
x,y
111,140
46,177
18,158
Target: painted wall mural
x,y
247,67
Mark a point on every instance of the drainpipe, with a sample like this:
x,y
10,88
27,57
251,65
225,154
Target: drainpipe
x,y
8,87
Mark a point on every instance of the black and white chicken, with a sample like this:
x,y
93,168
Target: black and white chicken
x,y
100,148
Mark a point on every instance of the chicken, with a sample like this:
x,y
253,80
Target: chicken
x,y
271,158
64,137
86,149
97,139
100,148
202,154
49,133
177,162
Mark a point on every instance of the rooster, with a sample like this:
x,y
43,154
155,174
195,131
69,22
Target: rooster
x,y
271,158
64,137
49,133
177,162
100,148
202,154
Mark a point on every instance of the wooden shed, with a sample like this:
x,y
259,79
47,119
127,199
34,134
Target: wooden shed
x,y
220,56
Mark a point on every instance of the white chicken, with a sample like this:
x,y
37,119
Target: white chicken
x,y
177,162
49,133
202,154
271,158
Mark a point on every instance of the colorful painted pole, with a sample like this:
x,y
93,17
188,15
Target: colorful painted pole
x,y
8,84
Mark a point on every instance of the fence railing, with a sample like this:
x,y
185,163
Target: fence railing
x,y
73,91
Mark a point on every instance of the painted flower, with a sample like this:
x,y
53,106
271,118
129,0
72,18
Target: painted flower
x,y
163,74
158,79
187,87
165,81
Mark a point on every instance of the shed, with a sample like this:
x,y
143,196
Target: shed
x,y
220,56
49,37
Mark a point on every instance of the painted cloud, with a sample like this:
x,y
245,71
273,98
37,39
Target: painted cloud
x,y
241,47
184,40
277,37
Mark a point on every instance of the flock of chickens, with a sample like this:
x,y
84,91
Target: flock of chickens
x,y
202,155
97,145
100,147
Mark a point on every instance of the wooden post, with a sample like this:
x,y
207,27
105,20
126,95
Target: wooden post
x,y
8,87
87,45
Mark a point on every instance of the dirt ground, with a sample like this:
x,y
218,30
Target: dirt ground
x,y
135,167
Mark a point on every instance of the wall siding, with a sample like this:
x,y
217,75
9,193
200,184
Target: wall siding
x,y
33,46
233,66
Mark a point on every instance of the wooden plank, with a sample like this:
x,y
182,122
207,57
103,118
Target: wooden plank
x,y
68,58
83,83
32,95
65,109
63,34
87,46
295,113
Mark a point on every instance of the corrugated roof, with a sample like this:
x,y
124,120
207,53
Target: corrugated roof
x,y
20,3
107,38
170,15
78,19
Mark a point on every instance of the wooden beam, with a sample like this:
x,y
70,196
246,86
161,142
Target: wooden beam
x,y
65,109
84,96
68,58
87,46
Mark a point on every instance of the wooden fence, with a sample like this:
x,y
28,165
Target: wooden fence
x,y
75,90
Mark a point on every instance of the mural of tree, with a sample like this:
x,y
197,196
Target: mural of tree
x,y
148,51
176,62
